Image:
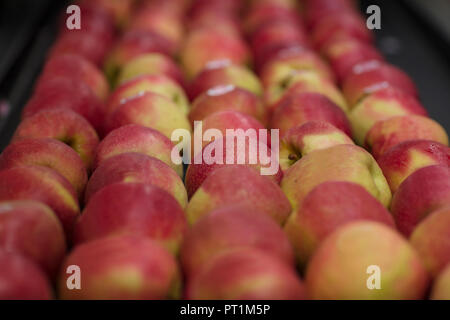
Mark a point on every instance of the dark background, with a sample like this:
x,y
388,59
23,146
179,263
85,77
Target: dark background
x,y
414,36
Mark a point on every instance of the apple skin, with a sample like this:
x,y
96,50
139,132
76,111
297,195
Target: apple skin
x,y
309,137
304,81
347,163
133,44
63,93
159,84
139,139
425,191
120,10
149,64
122,268
136,168
382,105
220,20
328,207
245,274
230,228
393,131
369,77
48,153
149,110
33,230
278,70
230,185
295,109
44,185
431,239
343,54
223,74
16,286
76,67
338,269
64,125
316,11
141,210
399,162
441,286
225,98
197,173
204,46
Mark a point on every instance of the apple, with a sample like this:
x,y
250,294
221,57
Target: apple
x,y
431,239
393,131
232,227
121,10
245,274
309,137
372,76
399,162
423,192
203,46
63,93
16,286
382,105
76,68
133,168
63,125
159,84
139,139
222,74
33,230
149,110
347,163
44,185
48,153
316,11
150,64
441,286
295,109
122,268
304,81
142,210
230,185
222,21
227,97
328,207
341,267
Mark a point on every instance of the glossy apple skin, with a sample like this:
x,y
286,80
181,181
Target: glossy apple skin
x,y
159,84
245,274
309,137
198,172
136,167
76,67
222,75
33,230
399,162
120,10
142,209
431,239
63,125
16,286
373,75
425,191
148,64
338,270
441,286
298,108
49,153
386,134
122,268
325,209
139,139
229,228
225,98
339,163
228,185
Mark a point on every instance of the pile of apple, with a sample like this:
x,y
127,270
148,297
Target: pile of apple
x,y
88,180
